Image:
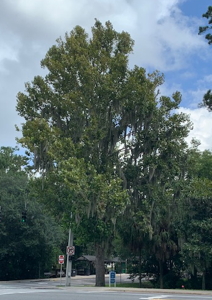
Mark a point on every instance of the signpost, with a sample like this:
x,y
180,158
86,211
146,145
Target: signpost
x,y
112,278
70,250
61,259
61,262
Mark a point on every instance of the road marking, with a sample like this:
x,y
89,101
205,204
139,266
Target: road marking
x,y
155,297
21,291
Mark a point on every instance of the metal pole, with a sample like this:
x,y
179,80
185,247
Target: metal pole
x,y
69,263
60,274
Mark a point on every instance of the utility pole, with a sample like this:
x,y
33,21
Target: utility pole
x,y
68,259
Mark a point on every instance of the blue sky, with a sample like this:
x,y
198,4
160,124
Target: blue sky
x,y
199,63
166,39
195,8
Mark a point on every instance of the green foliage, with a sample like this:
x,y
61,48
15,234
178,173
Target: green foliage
x,y
155,174
197,248
203,29
195,224
28,248
104,140
207,100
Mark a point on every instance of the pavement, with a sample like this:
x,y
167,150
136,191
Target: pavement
x,y
88,283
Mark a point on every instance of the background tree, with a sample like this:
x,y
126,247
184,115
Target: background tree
x,y
195,229
205,29
207,100
27,247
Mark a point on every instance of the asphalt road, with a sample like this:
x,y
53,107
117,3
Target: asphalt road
x,y
80,294
83,289
75,281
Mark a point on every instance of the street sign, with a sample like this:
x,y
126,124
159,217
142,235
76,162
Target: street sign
x,y
70,250
112,277
61,259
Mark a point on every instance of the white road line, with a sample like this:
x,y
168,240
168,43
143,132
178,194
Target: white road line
x,y
155,297
20,291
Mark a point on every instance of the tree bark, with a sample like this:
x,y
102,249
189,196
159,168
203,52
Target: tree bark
x,y
100,266
161,273
140,266
204,280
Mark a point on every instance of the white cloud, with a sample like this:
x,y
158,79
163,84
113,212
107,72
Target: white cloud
x,y
188,74
164,38
207,80
195,95
202,126
163,35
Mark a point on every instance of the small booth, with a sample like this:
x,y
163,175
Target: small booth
x,y
85,265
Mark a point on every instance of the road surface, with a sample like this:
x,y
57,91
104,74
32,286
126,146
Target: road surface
x,y
11,293
55,289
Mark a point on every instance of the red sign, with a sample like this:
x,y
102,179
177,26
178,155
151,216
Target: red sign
x,y
61,259
70,250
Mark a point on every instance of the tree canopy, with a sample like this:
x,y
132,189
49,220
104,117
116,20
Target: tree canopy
x,y
207,99
27,247
100,133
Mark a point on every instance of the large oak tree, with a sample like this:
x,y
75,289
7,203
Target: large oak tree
x,y
88,118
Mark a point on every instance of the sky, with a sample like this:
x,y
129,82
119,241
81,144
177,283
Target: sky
x,y
166,39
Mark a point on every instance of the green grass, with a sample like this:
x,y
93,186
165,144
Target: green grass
x,y
128,285
133,285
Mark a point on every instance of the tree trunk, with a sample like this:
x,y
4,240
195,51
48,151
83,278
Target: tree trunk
x,y
100,266
161,273
140,267
203,280
194,278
